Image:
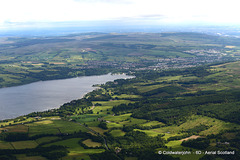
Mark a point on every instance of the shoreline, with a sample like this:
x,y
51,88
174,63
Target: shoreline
x,y
89,89
34,81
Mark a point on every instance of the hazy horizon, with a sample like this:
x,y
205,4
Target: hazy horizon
x,y
28,14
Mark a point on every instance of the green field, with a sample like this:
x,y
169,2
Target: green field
x,y
90,143
46,139
54,127
98,130
125,119
24,144
17,128
86,118
126,96
152,123
70,143
74,147
117,133
5,145
112,103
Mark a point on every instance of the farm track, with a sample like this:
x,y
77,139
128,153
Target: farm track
x,y
98,134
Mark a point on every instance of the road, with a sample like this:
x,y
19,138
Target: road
x,y
105,141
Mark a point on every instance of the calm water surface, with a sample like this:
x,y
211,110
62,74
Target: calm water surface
x,y
44,95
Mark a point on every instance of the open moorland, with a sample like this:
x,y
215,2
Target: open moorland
x,y
182,104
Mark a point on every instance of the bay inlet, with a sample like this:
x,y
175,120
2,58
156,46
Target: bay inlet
x,y
45,95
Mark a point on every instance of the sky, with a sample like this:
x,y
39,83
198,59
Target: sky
x,y
15,13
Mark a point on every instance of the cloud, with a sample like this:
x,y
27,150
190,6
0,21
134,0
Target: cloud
x,y
138,10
